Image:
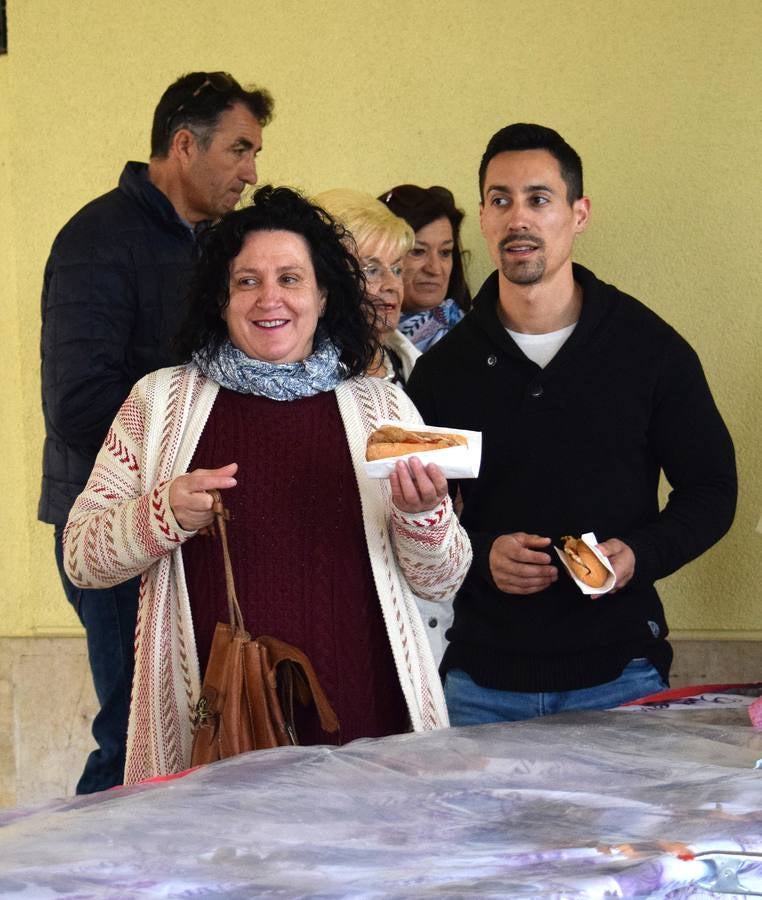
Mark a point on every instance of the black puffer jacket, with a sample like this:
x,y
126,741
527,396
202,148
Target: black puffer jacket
x,y
112,299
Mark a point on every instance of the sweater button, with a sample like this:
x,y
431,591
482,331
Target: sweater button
x,y
433,622
491,360
536,391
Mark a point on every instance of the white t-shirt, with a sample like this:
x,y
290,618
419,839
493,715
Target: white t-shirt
x,y
541,348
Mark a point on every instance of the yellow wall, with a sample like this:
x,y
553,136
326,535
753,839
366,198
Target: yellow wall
x,y
661,99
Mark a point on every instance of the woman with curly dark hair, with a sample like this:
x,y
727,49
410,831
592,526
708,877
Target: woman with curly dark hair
x,y
272,408
436,294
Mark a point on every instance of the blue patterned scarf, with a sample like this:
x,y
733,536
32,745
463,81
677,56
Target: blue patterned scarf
x,y
233,369
425,328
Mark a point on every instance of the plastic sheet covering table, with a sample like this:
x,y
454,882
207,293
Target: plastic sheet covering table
x,y
657,803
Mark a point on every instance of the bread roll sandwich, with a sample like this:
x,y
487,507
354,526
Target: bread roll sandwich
x,y
392,440
584,563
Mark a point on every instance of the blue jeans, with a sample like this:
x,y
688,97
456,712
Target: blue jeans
x,y
108,616
471,704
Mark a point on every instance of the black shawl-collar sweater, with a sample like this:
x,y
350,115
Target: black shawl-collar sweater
x,y
575,447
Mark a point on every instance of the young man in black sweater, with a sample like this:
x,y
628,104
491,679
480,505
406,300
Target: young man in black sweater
x,y
584,396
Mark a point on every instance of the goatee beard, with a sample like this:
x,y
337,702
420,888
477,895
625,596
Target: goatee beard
x,y
519,271
523,273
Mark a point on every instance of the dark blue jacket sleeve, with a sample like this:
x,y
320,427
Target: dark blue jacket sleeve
x,y
88,316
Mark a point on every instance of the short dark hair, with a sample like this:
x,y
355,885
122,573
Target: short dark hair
x,y
536,137
196,101
349,317
419,207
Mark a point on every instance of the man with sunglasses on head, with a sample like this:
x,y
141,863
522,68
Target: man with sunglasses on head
x,y
584,398
112,299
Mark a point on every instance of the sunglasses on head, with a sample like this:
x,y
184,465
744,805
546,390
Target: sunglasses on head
x,y
217,81
411,195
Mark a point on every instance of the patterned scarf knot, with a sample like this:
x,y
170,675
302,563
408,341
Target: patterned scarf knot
x,y
233,369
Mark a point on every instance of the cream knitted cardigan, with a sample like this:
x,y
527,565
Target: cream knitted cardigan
x,y
121,525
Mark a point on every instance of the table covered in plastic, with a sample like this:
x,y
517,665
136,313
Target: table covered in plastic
x,y
651,803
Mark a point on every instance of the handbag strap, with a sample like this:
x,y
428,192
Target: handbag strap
x,y
221,515
281,654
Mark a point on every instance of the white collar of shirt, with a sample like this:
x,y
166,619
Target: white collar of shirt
x,y
541,348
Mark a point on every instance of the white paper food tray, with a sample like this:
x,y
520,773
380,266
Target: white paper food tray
x,y
455,462
590,539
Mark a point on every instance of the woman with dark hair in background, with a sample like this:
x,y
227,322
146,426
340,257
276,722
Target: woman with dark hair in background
x,y
436,294
272,407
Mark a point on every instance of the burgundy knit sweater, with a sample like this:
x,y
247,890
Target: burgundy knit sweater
x,y
299,556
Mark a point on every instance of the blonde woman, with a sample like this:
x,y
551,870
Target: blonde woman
x,y
382,240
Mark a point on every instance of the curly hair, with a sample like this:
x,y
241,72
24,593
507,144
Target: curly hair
x,y
419,207
349,316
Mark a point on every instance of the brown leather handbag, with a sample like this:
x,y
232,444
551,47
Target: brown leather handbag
x,y
250,685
